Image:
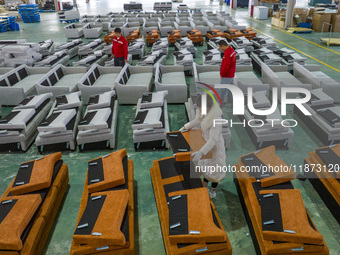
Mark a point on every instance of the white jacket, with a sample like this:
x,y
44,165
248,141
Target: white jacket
x,y
214,141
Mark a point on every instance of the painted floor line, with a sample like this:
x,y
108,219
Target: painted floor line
x,y
298,50
296,36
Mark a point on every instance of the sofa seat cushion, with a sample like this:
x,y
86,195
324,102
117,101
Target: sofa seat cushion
x,y
173,78
287,78
69,80
28,82
248,77
106,80
211,77
323,77
139,79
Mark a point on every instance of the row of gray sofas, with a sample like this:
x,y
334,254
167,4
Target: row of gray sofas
x,y
89,30
129,82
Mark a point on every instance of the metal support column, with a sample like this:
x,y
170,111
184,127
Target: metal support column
x,y
290,13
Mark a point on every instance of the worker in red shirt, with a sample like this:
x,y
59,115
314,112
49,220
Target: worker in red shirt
x,y
228,67
119,48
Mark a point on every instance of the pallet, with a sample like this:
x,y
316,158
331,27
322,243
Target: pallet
x,y
330,41
299,30
69,21
46,11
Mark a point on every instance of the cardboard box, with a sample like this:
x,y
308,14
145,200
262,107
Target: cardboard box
x,y
318,20
311,11
302,13
270,12
335,21
279,22
280,13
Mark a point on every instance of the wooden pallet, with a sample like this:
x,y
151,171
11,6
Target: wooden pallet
x,y
330,41
299,30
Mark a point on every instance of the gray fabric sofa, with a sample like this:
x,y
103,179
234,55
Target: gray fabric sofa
x,y
60,80
74,31
92,30
132,82
18,83
172,79
97,80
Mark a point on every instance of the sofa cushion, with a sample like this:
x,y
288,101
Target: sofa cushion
x,y
287,78
106,80
28,82
173,78
140,79
69,80
212,77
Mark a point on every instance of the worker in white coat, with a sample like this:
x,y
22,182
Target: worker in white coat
x,y
211,169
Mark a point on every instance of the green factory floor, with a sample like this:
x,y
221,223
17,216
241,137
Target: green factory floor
x,y
148,231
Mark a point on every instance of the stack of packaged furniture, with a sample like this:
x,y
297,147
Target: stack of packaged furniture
x,y
196,37
59,57
31,203
275,212
151,37
184,58
105,223
173,36
19,128
71,47
69,16
46,47
97,129
97,57
213,33
136,48
58,130
151,122
90,47
186,43
15,54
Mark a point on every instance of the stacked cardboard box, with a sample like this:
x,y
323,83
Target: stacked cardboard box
x,y
335,21
318,19
302,14
279,18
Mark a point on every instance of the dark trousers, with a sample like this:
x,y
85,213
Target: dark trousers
x,y
119,61
213,184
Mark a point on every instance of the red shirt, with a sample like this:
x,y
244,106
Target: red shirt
x,y
228,65
120,47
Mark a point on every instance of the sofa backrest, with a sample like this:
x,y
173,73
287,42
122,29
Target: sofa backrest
x,y
3,83
12,79
22,72
125,76
160,75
